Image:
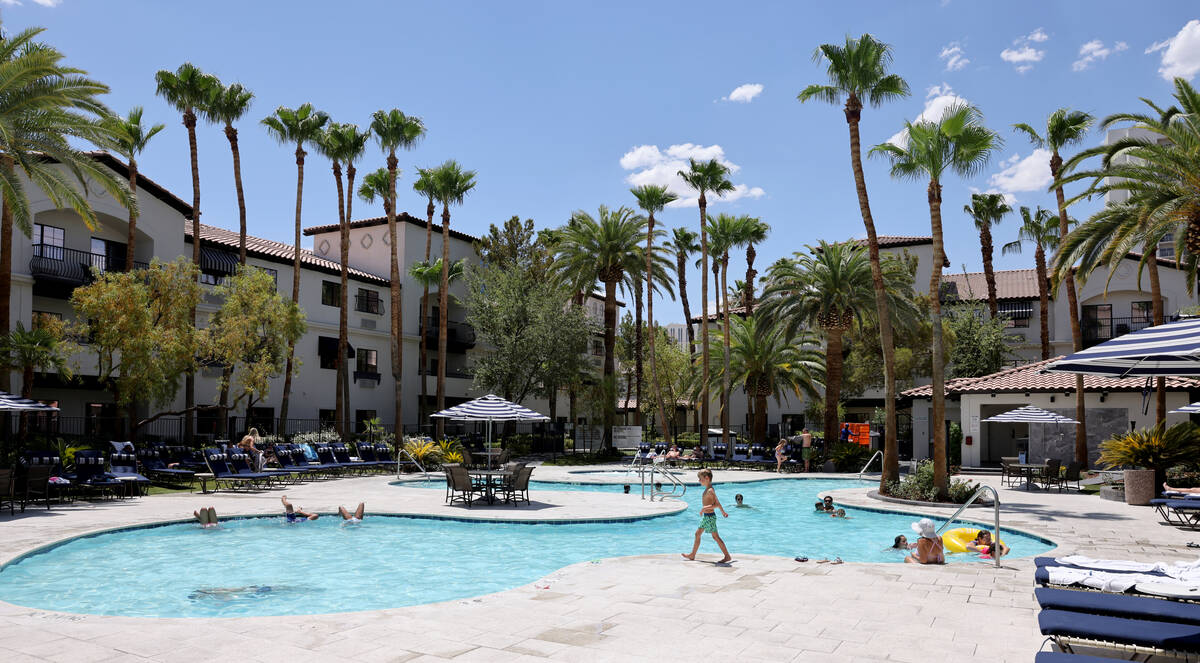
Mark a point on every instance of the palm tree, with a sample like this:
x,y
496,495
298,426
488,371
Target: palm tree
x,y
710,176
451,184
756,233
728,232
36,349
858,73
958,143
683,244
653,198
1065,127
129,138
1040,228
188,90
430,274
294,126
227,105
987,210
394,130
768,362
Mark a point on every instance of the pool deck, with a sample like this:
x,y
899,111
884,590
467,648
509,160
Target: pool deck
x,y
626,609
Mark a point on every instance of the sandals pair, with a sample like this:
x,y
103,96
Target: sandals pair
x,y
835,561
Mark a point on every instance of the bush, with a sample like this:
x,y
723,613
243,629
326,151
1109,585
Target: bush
x,y
317,437
954,438
849,457
919,486
1154,448
519,445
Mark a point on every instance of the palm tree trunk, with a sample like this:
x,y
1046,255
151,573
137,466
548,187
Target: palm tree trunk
x,y
725,346
424,326
637,354
394,291
443,305
345,385
610,364
989,275
1081,444
719,301
1039,258
681,280
748,297
1156,303
654,382
760,418
6,241
704,398
937,419
189,386
339,403
232,135
131,236
891,449
833,381
291,355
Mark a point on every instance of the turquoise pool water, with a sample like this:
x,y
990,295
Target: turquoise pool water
x,y
263,566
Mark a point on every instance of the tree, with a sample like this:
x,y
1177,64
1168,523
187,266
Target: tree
x,y
858,73
250,333
675,374
129,138
451,184
728,232
756,233
42,348
710,176
394,131
188,90
653,198
863,366
980,346
1065,127
683,245
139,326
1041,229
429,274
228,104
770,362
299,126
987,210
957,142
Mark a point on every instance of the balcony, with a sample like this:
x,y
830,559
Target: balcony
x,y
368,304
1096,331
59,270
461,372
460,336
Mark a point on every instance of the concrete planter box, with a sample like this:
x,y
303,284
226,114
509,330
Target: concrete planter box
x,y
1139,487
1113,493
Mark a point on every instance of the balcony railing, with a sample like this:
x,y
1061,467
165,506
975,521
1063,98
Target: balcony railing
x,y
71,266
1096,331
459,335
451,371
368,304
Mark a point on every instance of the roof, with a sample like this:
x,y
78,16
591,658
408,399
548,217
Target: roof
x,y
1010,284
1031,378
276,252
896,241
733,310
382,221
151,187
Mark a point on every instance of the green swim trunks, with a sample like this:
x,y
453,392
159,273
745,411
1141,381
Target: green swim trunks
x,y
708,522
806,453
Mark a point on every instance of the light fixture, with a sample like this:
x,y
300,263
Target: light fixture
x,y
1051,398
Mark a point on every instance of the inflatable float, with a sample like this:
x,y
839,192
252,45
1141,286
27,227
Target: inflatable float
x,y
956,540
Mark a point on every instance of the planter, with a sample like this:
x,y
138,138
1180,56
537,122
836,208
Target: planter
x,y
1113,492
1139,487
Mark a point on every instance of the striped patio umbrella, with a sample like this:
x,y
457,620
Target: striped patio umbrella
x,y
1029,414
13,403
490,408
1170,349
1194,408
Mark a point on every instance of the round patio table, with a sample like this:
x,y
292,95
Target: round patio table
x,y
1028,470
490,480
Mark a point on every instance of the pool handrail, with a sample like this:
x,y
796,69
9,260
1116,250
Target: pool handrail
x,y
677,485
414,462
995,504
877,454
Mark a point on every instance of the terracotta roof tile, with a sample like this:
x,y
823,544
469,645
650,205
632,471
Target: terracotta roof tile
x,y
1030,378
896,241
1010,284
382,221
275,252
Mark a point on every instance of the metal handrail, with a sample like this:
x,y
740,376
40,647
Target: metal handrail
x,y
415,462
877,454
676,484
995,504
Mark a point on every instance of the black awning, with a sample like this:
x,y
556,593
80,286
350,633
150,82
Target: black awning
x,y
327,347
217,261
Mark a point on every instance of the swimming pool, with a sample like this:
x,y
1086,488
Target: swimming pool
x,y
262,566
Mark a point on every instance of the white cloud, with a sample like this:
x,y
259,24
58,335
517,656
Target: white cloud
x,y
651,165
44,3
1017,174
1095,50
1009,199
937,99
954,55
1023,54
1181,53
744,93
1038,36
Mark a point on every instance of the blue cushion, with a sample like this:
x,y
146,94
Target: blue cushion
x,y
1117,605
1183,505
1060,657
1184,637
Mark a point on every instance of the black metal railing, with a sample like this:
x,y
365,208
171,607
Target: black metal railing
x,y
70,265
1096,331
458,334
367,375
368,304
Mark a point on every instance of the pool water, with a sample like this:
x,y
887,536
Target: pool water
x,y
263,566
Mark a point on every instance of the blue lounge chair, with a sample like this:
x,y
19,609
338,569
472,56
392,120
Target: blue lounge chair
x,y
154,464
1067,627
327,459
1180,512
124,466
240,463
300,460
286,458
1062,657
1118,605
341,454
91,474
218,464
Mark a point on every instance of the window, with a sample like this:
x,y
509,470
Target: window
x,y
328,418
48,241
1017,313
1166,246
210,278
1141,312
327,347
368,361
367,301
331,293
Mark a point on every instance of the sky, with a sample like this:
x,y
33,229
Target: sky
x,y
561,106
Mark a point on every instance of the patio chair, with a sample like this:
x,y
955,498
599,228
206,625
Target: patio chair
x,y
1008,473
1180,512
328,460
123,465
341,453
8,491
520,485
1072,474
35,485
296,462
466,458
462,489
1051,474
1068,628
91,474
218,464
240,463
154,465
1118,605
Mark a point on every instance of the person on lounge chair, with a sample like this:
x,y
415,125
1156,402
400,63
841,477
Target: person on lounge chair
x,y
352,518
295,514
1166,486
207,516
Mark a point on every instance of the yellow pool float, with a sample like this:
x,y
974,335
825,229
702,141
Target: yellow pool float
x,y
956,540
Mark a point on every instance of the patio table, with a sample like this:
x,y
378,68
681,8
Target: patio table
x,y
1029,470
488,479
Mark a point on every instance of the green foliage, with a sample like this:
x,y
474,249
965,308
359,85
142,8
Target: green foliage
x,y
317,437
954,438
676,375
863,367
814,411
849,457
980,344
919,486
518,445
515,246
1153,448
601,456
39,349
425,452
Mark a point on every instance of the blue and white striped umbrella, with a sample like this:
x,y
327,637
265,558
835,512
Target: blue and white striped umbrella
x,y
490,408
1031,415
13,403
1194,408
1170,349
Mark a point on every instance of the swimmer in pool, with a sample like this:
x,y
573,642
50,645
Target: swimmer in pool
x,y
901,543
294,514
984,546
739,503
352,518
827,504
207,517
840,513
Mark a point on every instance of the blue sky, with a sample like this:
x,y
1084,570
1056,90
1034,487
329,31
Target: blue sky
x,y
562,105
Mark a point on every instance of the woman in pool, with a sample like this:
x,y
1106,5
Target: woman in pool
x,y
295,514
984,546
780,455
929,548
207,516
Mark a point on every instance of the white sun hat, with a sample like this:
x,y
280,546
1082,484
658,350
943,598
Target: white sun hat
x,y
925,528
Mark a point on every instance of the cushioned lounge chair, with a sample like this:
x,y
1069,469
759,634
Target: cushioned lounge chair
x,y
240,462
124,466
1180,512
1063,657
328,460
295,462
218,464
154,464
341,454
91,476
1118,605
1069,627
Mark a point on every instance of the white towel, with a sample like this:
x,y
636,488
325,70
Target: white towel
x,y
1119,565
1101,580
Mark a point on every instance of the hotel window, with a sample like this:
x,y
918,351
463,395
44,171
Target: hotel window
x,y
367,301
1141,312
48,241
331,293
368,361
1166,246
1017,313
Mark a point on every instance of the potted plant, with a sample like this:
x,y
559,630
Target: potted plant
x,y
1147,454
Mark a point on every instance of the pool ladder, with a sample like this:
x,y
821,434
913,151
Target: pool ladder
x,y
877,454
678,488
995,504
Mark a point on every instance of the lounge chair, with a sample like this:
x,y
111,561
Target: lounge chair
x,y
1118,605
154,464
123,465
218,464
328,460
240,463
91,475
294,461
1179,511
1063,657
1069,628
341,454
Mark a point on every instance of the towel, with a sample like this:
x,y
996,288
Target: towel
x,y
1117,565
1102,580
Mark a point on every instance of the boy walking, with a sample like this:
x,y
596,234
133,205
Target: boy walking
x,y
708,517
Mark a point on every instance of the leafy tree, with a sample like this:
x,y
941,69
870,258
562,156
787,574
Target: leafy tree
x,y
139,326
515,245
1041,229
980,345
44,347
675,374
987,210
863,366
129,139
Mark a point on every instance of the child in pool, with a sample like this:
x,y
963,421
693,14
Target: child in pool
x,y
708,518
207,517
294,515
739,503
840,513
984,546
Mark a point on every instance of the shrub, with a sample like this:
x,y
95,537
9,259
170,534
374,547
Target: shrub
x,y
317,437
1154,448
849,457
519,445
919,486
425,452
601,456
954,438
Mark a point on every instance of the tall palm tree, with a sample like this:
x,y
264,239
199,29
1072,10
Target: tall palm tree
x,y
424,186
1065,127
756,233
451,185
1039,228
188,90
683,244
295,126
228,104
129,138
728,232
428,275
957,142
393,131
653,198
768,362
858,74
706,177
987,210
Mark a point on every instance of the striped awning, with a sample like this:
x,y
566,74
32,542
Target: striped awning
x,y
1170,349
1029,414
218,261
1193,408
12,403
490,408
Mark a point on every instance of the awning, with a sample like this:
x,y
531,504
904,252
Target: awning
x,y
1170,349
327,347
217,261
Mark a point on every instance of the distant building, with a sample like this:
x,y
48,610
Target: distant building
x,y
678,333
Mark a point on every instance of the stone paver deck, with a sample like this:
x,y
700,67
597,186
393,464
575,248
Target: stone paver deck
x,y
626,609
